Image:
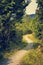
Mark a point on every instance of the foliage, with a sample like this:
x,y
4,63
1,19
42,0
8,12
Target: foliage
x,y
13,6
10,11
33,57
23,26
36,27
40,10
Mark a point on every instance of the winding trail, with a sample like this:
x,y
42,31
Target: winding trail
x,y
16,59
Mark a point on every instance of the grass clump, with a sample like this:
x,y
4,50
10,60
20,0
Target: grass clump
x,y
33,57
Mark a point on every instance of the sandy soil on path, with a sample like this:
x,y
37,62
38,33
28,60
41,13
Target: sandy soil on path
x,y
16,59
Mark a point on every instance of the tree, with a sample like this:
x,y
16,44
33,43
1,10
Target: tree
x,y
40,9
13,6
10,11
40,17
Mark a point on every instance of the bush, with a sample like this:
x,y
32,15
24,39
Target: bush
x,y
33,58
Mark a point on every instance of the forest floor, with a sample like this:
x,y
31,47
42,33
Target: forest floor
x,y
17,57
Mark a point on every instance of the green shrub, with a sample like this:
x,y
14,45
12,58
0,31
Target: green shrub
x,y
33,58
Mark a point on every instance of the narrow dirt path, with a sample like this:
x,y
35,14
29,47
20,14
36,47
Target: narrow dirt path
x,y
16,59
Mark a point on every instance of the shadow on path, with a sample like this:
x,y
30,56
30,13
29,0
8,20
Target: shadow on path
x,y
5,62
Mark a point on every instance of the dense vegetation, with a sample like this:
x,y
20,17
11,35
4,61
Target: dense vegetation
x,y
11,13
40,9
13,25
35,56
